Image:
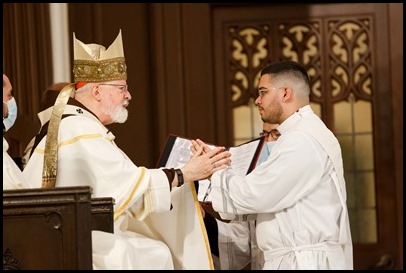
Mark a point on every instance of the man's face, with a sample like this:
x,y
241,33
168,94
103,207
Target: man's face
x,y
270,131
7,95
268,101
115,99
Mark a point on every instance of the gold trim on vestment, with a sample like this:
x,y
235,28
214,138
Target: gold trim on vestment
x,y
50,168
198,209
121,209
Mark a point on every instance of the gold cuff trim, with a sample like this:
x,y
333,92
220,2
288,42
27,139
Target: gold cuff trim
x,y
121,209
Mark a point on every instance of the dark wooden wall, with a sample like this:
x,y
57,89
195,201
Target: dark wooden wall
x,y
172,64
27,61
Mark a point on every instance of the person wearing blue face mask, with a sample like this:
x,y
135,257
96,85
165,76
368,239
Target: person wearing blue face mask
x,y
9,105
272,134
12,175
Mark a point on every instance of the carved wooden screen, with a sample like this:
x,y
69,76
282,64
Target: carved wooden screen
x,y
339,46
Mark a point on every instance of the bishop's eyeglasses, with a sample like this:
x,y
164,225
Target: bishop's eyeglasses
x,y
122,87
274,133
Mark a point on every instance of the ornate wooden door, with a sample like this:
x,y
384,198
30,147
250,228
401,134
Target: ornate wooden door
x,y
345,48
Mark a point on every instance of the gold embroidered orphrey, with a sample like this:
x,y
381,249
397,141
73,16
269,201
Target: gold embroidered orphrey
x,y
50,168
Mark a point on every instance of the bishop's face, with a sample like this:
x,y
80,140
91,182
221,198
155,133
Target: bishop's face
x,y
115,100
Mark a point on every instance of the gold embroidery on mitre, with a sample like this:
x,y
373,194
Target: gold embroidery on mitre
x,y
100,71
93,63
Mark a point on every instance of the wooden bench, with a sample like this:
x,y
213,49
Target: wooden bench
x,y
102,214
51,228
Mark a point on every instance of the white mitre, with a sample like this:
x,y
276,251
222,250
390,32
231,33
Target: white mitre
x,y
93,63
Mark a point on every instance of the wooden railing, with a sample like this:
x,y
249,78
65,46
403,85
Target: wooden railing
x,y
51,228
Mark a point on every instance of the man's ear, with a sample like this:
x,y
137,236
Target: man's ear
x,y
95,91
287,94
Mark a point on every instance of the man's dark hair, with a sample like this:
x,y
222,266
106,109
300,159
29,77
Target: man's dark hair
x,y
286,66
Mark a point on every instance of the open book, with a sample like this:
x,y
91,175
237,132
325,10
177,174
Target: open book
x,y
244,158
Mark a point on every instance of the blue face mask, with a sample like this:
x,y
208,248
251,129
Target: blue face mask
x,y
270,145
265,152
12,114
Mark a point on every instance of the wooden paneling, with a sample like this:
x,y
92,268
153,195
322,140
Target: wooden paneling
x,y
183,64
51,228
396,68
27,61
48,228
103,214
177,79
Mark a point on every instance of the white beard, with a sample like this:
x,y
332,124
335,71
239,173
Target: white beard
x,y
119,114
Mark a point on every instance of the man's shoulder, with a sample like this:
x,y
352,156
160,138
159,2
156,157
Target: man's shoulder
x,y
80,124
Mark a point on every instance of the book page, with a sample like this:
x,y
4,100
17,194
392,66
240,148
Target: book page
x,y
241,159
180,153
242,156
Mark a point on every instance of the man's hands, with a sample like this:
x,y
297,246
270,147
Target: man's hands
x,y
196,144
205,161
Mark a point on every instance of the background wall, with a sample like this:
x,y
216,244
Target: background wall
x,y
179,81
